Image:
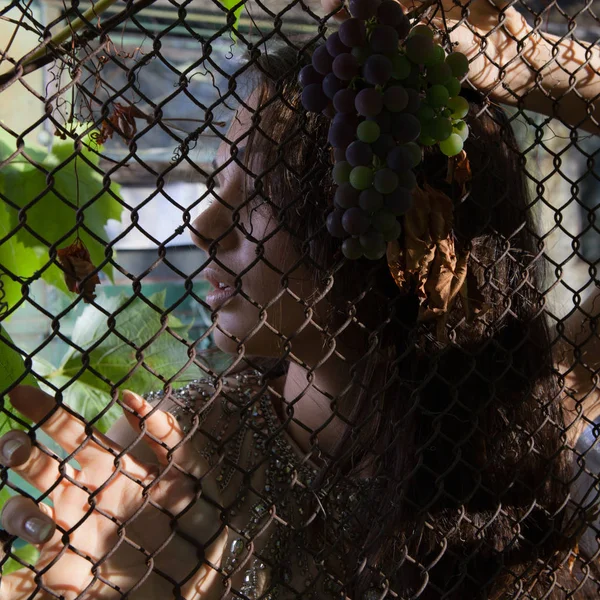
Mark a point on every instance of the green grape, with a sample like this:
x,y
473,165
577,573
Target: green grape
x,y
440,128
437,57
453,87
352,248
373,245
439,74
386,181
341,172
361,177
361,53
462,129
421,30
452,146
426,140
459,107
437,96
413,79
415,152
446,112
401,67
368,132
394,233
425,113
383,220
459,64
419,49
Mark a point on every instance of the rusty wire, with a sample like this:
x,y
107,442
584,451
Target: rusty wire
x,y
512,511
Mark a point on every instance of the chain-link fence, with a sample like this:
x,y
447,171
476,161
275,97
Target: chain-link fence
x,y
419,425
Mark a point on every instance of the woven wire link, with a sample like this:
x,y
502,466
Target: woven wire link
x,y
432,546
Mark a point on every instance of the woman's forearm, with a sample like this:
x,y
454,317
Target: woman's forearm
x,y
567,83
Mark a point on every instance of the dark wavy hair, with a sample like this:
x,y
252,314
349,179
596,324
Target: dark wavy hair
x,y
463,439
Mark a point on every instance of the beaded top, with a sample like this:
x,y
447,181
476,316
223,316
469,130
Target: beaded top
x,y
265,486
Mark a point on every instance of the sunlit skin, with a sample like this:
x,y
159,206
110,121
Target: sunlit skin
x,y
285,305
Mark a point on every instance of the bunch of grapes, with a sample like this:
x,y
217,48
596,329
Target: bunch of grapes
x,y
389,90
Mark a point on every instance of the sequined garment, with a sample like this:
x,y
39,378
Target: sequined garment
x,y
268,535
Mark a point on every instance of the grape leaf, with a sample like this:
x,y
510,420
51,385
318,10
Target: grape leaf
x,y
12,371
52,217
229,4
113,356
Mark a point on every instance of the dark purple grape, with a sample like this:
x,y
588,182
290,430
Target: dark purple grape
x,y
395,98
413,79
369,102
335,46
322,60
356,221
359,154
383,145
364,9
344,101
370,200
349,120
405,128
346,196
390,13
400,159
384,120
386,181
334,223
383,220
345,66
308,76
340,135
407,179
403,28
353,33
384,40
377,69
399,201
329,111
414,101
332,85
339,154
313,98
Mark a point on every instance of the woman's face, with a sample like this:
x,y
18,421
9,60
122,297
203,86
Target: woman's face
x,y
254,254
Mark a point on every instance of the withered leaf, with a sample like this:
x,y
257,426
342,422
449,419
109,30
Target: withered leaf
x,y
459,170
77,265
429,259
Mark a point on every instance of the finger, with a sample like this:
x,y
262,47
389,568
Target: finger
x,y
24,518
35,466
330,5
63,427
167,434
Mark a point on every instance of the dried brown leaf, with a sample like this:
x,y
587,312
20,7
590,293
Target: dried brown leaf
x,y
77,265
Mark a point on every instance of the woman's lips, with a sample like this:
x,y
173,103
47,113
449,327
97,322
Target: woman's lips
x,y
219,295
221,290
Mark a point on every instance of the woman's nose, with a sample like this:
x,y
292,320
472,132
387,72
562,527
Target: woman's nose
x,y
214,225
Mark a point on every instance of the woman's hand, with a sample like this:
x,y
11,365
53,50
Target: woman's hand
x,y
111,527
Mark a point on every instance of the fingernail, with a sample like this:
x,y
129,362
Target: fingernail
x,y
133,400
38,529
10,447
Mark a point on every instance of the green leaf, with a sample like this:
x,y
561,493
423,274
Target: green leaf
x,y
113,356
52,217
28,554
229,4
12,371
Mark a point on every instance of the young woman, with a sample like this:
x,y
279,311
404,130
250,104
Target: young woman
x,y
355,455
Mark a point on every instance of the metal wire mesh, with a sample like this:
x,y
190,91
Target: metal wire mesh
x,y
341,446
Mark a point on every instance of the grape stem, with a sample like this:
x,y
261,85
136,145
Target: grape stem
x,y
417,12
